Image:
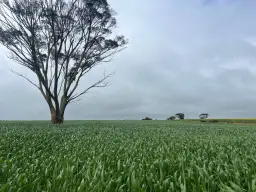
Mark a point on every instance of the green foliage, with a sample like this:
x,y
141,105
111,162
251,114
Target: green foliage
x,y
180,115
147,118
203,116
127,156
171,118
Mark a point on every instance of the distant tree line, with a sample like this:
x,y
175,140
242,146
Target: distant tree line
x,y
181,116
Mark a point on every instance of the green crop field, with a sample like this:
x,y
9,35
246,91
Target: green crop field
x,y
233,120
109,156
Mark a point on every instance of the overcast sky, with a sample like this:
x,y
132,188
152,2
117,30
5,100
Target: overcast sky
x,y
184,56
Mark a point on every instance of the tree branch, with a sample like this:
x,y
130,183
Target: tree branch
x,y
24,77
97,84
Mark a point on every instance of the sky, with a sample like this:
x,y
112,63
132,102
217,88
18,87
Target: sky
x,y
196,56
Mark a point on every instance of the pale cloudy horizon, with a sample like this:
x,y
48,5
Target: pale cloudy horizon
x,y
183,56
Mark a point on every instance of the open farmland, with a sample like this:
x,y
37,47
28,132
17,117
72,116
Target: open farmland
x,y
127,156
233,120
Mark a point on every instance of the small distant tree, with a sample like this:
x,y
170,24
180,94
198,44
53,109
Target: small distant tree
x,y
147,118
180,115
171,118
204,116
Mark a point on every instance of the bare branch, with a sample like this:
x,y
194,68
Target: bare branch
x,y
99,83
76,100
23,76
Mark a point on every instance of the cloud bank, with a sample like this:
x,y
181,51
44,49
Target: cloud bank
x,y
184,56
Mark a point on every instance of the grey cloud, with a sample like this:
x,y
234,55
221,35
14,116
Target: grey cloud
x,y
183,56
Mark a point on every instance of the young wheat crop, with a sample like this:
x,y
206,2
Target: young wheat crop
x,y
127,156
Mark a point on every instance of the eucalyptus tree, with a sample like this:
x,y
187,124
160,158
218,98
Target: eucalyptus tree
x,y
60,41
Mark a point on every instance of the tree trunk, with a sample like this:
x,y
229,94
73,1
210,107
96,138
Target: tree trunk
x,y
57,113
57,118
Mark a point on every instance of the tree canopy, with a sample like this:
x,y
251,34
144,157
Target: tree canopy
x,y
180,115
204,116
